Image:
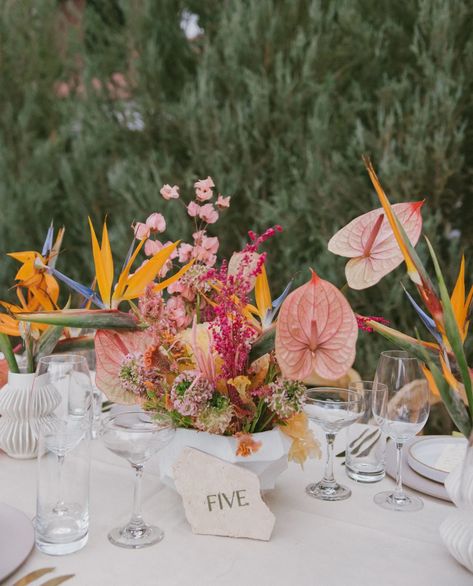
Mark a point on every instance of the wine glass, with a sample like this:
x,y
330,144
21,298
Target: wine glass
x,y
401,416
136,436
333,409
63,389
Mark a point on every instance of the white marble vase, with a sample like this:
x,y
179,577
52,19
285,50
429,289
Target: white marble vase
x,y
268,462
457,529
22,412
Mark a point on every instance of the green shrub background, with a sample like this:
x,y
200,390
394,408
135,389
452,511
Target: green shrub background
x,y
277,101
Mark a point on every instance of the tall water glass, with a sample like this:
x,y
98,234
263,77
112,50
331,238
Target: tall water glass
x,y
366,443
401,416
62,509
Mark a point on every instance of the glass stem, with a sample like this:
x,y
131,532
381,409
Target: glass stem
x,y
136,517
329,478
399,492
60,508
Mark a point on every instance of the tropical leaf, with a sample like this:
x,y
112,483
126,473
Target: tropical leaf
x,y
48,341
452,331
76,343
6,348
82,318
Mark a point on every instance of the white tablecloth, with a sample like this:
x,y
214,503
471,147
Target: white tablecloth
x,y
314,543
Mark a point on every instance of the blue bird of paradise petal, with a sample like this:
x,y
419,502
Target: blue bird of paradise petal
x,y
48,242
276,304
426,319
81,289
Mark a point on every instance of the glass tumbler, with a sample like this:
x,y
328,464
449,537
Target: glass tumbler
x,y
62,507
366,443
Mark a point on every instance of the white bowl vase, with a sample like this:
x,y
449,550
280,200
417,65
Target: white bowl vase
x,y
23,411
268,462
457,529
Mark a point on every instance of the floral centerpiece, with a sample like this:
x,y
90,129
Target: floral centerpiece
x,y
203,342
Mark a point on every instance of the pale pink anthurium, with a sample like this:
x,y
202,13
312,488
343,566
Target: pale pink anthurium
x,y
111,348
316,332
369,243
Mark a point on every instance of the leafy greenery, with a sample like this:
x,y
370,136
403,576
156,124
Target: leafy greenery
x,y
276,100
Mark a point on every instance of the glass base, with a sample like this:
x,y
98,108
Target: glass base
x,y
135,537
328,492
388,500
61,548
365,474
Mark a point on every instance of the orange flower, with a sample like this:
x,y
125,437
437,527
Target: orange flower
x,y
304,445
246,444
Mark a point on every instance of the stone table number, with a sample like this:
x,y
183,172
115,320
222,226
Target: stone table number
x,y
221,498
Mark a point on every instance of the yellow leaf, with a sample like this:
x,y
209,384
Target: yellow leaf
x,y
9,326
452,381
136,284
122,279
107,259
411,268
458,297
431,381
163,284
102,281
262,293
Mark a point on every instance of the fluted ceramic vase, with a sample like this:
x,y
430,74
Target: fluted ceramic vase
x,y
23,411
457,529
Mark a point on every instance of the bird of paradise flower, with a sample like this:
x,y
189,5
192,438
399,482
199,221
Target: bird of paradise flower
x,y
445,317
129,286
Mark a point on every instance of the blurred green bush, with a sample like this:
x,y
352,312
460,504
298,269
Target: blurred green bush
x,y
277,100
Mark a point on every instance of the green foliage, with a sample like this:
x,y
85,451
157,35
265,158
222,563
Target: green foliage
x,y
277,101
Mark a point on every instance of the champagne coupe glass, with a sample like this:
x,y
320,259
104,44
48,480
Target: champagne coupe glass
x,y
401,416
333,409
136,436
62,384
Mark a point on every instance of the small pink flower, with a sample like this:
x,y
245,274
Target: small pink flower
x,y
203,189
210,243
185,252
208,213
223,202
193,209
141,231
152,247
176,311
156,222
169,192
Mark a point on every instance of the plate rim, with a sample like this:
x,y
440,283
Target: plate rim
x,y
23,514
411,456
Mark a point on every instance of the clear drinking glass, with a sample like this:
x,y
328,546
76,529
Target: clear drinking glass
x,y
333,409
136,436
62,509
366,443
401,416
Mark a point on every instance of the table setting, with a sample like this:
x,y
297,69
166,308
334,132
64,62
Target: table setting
x,y
254,456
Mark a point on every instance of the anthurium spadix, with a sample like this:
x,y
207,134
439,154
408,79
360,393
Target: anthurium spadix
x,y
316,332
370,243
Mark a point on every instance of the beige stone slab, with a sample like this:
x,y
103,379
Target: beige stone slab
x,y
220,498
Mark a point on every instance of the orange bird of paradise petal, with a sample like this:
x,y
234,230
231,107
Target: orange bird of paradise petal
x,y
316,332
368,241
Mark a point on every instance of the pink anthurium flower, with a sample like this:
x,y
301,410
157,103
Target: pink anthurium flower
x,y
316,332
368,241
111,349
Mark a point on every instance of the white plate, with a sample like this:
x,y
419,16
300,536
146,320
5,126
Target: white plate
x,y
16,539
436,456
410,478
